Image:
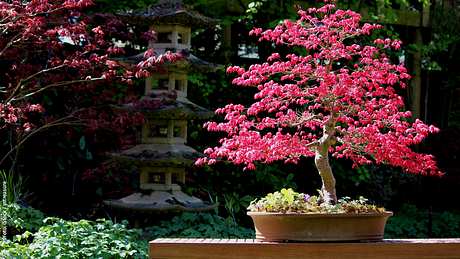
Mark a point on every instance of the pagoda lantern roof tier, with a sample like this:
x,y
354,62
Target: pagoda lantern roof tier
x,y
187,62
178,109
168,12
172,155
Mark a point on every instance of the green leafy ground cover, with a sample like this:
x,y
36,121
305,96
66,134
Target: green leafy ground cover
x,y
59,238
41,237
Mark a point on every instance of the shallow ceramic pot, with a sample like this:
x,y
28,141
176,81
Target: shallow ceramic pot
x,y
319,227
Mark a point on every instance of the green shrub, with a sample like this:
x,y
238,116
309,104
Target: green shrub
x,y
58,238
195,225
410,222
23,218
82,239
10,250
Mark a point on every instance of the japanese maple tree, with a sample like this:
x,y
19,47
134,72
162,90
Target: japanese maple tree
x,y
339,99
51,45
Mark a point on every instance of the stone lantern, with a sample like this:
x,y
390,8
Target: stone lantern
x,y
171,37
162,157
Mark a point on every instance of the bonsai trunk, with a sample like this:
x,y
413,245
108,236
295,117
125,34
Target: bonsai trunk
x,y
322,164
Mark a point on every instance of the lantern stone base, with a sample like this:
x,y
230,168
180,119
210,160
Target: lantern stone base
x,y
160,201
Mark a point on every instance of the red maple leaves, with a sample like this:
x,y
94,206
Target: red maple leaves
x,y
52,45
341,96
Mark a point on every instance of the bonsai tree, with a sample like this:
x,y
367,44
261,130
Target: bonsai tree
x,y
334,98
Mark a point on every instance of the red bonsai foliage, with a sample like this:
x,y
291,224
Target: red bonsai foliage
x,y
50,45
340,98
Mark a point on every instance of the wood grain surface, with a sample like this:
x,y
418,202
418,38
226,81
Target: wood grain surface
x,y
250,249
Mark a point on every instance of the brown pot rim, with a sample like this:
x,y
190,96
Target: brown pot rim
x,y
314,215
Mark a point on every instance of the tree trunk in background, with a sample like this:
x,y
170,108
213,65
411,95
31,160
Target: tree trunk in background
x,y
227,43
416,82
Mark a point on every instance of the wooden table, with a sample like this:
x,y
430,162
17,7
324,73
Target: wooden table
x,y
172,248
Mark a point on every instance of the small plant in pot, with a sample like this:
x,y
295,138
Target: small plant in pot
x,y
288,215
330,97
